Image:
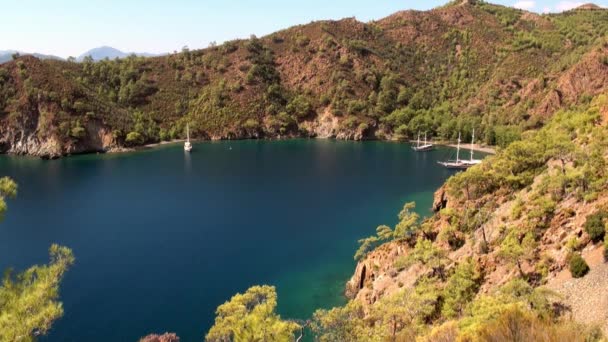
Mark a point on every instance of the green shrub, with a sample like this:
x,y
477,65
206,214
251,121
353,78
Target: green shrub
x,y
595,227
78,132
461,288
606,248
578,266
134,138
299,106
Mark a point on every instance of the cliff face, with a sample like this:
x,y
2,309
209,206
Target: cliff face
x,y
461,65
27,142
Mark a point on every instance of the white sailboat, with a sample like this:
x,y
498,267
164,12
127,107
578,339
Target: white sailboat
x,y
424,147
472,161
187,144
458,163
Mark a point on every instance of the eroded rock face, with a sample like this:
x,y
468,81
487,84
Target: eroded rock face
x,y
166,337
440,199
30,141
326,125
588,77
376,275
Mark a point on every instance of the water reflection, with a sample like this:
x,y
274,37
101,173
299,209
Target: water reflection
x,y
188,162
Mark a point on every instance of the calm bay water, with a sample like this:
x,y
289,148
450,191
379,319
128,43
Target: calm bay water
x,y
161,238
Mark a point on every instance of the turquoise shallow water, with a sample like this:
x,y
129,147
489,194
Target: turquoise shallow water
x,y
161,237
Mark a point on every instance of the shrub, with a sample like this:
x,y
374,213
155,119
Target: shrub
x,y
578,266
299,106
460,288
302,40
595,227
606,248
78,132
134,138
516,324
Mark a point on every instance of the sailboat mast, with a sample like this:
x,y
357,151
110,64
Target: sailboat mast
x,y
472,144
188,131
418,143
425,139
458,149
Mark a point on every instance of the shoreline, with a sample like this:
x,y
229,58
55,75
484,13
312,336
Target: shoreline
x,y
143,147
475,147
118,150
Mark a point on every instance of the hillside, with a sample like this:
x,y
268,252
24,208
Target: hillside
x,y
7,55
524,230
109,52
447,70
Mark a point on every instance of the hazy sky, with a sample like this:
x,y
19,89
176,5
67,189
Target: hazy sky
x,y
69,27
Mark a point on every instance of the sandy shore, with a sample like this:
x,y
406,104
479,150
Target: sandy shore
x,y
165,143
476,147
143,147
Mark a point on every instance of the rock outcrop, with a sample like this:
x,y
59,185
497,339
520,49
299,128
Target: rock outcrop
x,y
166,337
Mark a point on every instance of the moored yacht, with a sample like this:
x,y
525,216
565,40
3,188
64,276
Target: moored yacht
x,y
424,147
461,164
187,144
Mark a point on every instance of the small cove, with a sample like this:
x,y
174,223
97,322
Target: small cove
x,y
162,237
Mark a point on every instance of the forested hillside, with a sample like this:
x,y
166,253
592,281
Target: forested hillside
x,y
466,64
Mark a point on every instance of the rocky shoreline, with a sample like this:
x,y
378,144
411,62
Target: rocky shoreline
x,y
51,148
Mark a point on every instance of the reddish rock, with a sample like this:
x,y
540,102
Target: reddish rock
x,y
166,337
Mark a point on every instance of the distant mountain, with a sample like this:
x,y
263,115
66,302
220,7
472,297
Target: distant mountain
x,y
7,55
109,52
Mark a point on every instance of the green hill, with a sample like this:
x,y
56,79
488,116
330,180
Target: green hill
x,y
447,70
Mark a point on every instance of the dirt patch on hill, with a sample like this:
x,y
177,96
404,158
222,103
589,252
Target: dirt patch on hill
x,y
586,297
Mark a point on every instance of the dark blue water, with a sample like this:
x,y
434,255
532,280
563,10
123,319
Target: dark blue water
x,y
162,238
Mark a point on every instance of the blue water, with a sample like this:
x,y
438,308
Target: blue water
x,y
161,238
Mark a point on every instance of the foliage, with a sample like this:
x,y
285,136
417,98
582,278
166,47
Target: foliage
x,y
406,229
426,253
28,301
517,324
517,247
578,266
78,131
383,233
251,317
460,289
606,248
515,294
8,189
408,222
345,323
134,138
595,225
299,106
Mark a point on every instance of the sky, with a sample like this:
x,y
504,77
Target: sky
x,y
71,27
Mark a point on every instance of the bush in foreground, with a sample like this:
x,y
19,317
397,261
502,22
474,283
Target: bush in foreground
x,y
595,227
606,248
578,266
